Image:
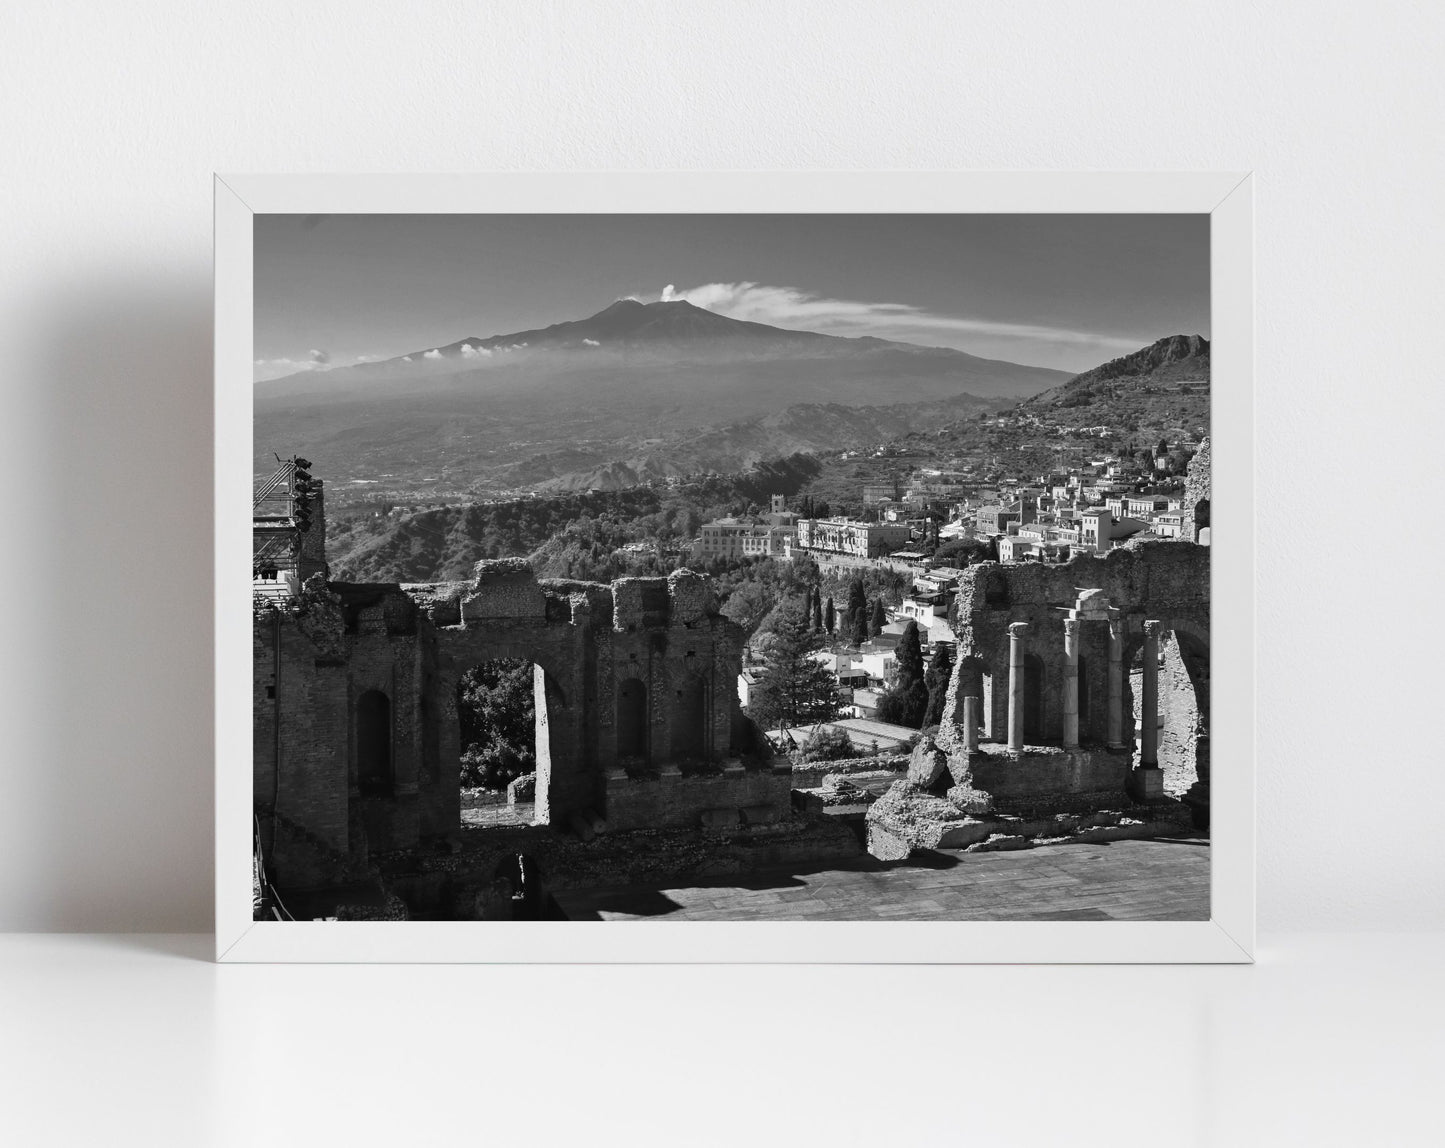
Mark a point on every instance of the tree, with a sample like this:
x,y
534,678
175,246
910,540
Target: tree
x,y
827,743
879,618
817,613
830,616
857,616
940,672
792,687
495,712
906,702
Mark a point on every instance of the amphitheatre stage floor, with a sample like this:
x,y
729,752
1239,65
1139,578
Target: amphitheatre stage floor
x,y
1156,880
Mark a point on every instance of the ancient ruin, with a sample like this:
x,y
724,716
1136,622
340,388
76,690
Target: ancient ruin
x,y
357,746
1038,738
1078,709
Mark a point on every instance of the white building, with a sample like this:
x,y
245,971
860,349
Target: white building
x,y
849,536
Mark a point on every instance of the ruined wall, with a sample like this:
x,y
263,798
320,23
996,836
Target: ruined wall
x,y
660,641
1163,580
1181,717
1197,493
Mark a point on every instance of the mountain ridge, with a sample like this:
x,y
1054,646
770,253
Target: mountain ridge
x,y
1172,359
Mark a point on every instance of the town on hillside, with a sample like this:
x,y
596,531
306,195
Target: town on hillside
x,y
929,529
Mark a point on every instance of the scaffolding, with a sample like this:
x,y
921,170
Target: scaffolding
x,y
280,515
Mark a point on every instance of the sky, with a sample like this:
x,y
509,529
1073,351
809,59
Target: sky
x,y
1063,291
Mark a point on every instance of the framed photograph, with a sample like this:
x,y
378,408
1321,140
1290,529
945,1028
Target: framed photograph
x,y
808,567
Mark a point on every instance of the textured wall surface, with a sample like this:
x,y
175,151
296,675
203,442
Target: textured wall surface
x,y
114,116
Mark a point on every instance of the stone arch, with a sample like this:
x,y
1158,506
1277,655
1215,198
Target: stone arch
x,y
375,770
632,721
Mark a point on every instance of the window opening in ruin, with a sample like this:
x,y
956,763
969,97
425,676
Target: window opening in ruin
x,y
373,745
1087,732
632,745
502,718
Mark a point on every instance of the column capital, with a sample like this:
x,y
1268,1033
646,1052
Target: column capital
x,y
1153,628
1071,627
1016,630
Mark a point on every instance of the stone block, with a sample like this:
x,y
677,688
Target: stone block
x,y
887,845
503,588
639,602
522,789
928,764
1146,784
719,818
691,595
581,825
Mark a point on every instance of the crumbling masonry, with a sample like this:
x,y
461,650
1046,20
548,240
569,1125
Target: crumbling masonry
x,y
356,734
1038,733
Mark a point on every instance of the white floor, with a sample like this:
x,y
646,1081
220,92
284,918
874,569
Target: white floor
x,y
141,1040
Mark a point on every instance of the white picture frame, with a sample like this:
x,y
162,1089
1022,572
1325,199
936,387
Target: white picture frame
x,y
1229,934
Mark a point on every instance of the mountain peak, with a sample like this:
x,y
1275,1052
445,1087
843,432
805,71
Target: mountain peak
x,y
1172,359
621,307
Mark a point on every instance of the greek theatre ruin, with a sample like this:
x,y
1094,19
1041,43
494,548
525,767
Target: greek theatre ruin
x,y
357,741
1078,706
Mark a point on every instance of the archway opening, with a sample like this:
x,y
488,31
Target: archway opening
x,y
1182,744
502,714
374,774
632,739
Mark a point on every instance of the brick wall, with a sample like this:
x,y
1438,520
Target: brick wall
x,y
413,643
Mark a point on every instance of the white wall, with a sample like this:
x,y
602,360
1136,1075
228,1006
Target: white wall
x,y
113,116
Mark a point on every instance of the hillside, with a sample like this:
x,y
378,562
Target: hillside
x,y
444,544
634,392
1161,388
1166,363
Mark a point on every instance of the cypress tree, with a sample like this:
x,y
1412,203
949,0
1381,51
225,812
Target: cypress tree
x,y
879,618
830,616
857,616
940,673
906,701
817,612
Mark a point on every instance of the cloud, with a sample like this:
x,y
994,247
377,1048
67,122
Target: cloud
x,y
804,310
406,358
471,352
315,360
592,342
432,354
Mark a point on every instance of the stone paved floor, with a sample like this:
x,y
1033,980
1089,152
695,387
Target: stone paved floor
x,y
1120,880
486,816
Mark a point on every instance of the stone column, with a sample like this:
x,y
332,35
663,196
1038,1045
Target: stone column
x,y
1071,683
1115,731
1149,712
970,723
1016,632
